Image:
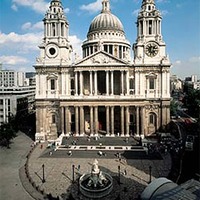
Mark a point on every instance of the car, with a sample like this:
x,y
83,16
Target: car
x,y
189,143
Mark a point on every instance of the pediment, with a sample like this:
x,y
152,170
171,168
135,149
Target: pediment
x,y
101,58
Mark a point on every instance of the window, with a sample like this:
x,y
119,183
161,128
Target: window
x,y
150,27
53,119
152,118
53,86
151,83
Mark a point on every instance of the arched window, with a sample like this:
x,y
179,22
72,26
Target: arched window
x,y
53,85
151,83
152,118
53,119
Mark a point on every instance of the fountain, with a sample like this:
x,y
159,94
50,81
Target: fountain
x,y
97,184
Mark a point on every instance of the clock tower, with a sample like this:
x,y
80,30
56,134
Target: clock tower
x,y
55,47
149,47
53,72
152,68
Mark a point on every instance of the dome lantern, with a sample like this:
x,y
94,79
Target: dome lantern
x,y
105,6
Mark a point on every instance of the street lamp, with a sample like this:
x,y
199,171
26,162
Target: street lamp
x,y
150,169
73,166
43,178
119,172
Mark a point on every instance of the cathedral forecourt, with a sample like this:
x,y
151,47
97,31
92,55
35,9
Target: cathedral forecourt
x,y
106,92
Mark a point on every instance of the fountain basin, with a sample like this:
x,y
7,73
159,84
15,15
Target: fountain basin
x,y
95,192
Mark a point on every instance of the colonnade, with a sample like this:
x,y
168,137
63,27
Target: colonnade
x,y
91,115
149,27
124,83
55,29
120,51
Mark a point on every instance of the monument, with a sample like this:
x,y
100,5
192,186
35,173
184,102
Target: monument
x,y
96,184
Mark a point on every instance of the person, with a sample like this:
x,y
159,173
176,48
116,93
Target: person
x,y
100,153
125,172
70,153
120,158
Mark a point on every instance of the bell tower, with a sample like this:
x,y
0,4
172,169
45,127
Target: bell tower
x,y
149,47
53,72
55,48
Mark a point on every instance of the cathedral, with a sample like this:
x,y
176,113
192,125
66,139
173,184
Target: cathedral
x,y
106,92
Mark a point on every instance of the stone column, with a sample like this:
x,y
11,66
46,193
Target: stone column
x,y
112,83
63,120
112,121
122,82
67,121
95,83
127,121
91,121
77,120
96,120
142,121
37,120
76,83
107,83
137,121
91,83
168,84
128,83
107,120
81,83
122,120
82,121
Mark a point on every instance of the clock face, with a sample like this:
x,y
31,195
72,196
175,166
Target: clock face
x,y
52,51
151,49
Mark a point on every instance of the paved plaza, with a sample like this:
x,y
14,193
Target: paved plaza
x,y
134,165
11,161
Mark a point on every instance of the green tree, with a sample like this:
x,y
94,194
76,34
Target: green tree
x,y
192,102
8,132
173,108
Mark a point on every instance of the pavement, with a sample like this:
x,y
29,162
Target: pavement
x,y
11,161
51,171
58,173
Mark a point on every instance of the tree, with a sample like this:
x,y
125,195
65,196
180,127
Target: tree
x,y
7,132
192,102
173,108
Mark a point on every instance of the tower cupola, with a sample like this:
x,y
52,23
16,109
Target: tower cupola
x,y
106,6
55,22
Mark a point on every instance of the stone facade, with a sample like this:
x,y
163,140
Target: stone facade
x,y
106,91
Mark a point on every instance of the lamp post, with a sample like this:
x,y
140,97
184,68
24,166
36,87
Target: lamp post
x,y
73,166
43,178
150,169
119,172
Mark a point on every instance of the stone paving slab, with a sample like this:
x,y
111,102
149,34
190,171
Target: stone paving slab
x,y
11,160
58,170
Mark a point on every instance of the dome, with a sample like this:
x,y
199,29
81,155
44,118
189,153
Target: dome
x,y
106,21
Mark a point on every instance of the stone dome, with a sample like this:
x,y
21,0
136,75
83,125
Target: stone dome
x,y
106,21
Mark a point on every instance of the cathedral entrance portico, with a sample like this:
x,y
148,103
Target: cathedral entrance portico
x,y
110,120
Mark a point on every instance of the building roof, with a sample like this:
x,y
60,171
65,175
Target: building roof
x,y
164,189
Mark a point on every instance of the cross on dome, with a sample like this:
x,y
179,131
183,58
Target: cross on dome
x,y
105,6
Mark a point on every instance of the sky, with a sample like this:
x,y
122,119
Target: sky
x,y
21,29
